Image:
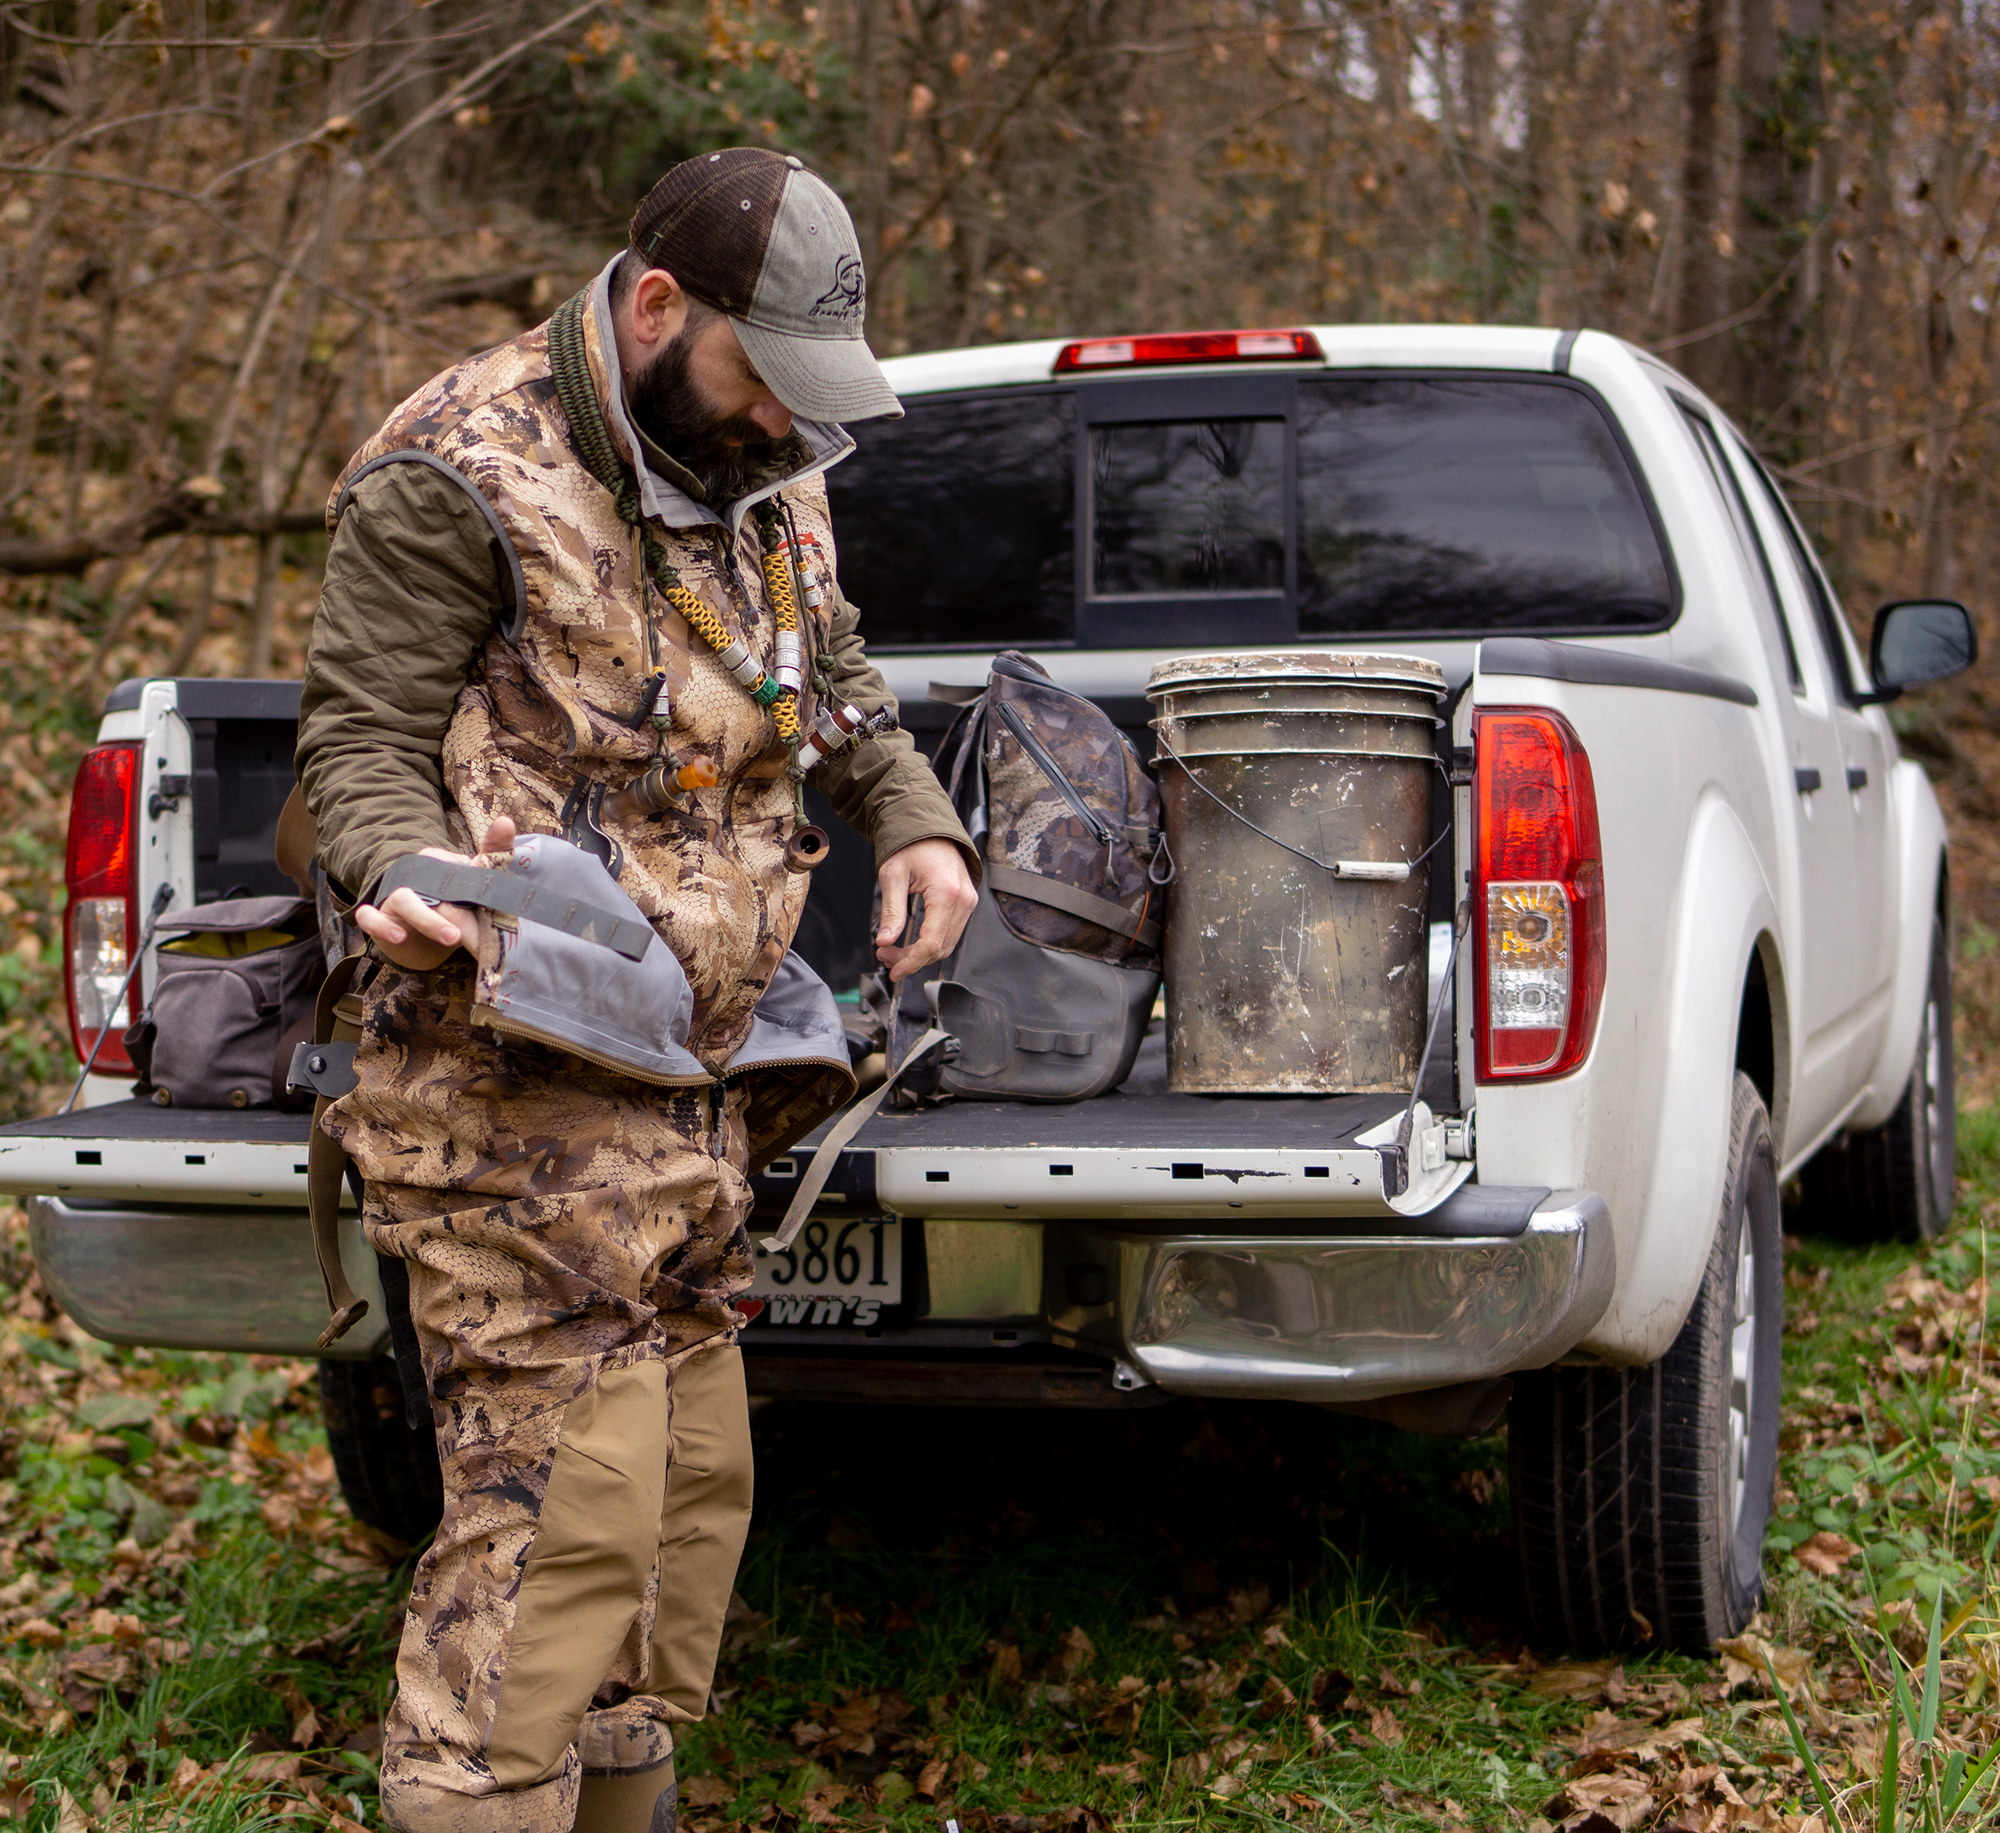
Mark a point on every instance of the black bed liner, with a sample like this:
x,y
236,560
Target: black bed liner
x,y
145,1120
1142,1114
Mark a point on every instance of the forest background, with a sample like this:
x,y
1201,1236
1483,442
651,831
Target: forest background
x,y
234,233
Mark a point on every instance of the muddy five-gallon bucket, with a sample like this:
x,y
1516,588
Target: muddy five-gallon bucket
x,y
1297,796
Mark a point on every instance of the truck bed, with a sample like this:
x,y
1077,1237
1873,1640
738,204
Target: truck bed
x,y
1139,1153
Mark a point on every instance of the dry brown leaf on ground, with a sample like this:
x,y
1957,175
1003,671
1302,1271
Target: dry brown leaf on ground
x,y
707,1792
1902,1623
187,1777
816,1805
1825,1553
1579,1680
931,1778
1077,1651
1745,1658
17,1798
1623,1799
1230,1785
269,1766
1250,1603
1383,1727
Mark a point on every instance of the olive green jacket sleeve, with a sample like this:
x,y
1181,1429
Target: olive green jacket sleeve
x,y
881,785
408,602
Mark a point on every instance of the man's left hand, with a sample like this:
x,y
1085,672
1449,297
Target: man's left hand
x,y
933,870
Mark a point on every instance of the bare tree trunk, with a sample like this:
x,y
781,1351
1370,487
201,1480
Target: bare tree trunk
x,y
194,626
1702,273
1763,198
1550,31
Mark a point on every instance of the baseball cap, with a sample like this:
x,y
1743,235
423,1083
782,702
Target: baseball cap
x,y
760,238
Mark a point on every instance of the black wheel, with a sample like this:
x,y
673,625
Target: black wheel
x,y
1641,1495
1896,1180
388,1473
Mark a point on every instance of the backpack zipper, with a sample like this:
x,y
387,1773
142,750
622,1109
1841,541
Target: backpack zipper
x,y
1058,778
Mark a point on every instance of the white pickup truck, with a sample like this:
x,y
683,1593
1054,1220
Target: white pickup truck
x,y
1704,949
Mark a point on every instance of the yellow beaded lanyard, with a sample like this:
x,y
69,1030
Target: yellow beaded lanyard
x,y
571,371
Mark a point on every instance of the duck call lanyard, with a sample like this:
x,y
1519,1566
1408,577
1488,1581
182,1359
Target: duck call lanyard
x,y
578,394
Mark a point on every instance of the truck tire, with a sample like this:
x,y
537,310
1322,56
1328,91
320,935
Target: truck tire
x,y
1896,1181
388,1474
1641,1494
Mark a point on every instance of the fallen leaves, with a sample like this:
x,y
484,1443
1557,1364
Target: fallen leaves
x,y
1749,1658
1384,1728
1579,1680
1825,1553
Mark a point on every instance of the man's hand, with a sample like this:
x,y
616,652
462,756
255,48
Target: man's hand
x,y
417,935
933,870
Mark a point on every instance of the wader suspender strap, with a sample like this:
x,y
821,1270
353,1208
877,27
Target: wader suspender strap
x,y
327,1163
491,889
1067,898
844,1129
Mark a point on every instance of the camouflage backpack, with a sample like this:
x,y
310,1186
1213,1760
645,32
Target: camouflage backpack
x,y
1052,985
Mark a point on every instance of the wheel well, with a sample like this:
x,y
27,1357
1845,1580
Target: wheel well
x,y
1757,1032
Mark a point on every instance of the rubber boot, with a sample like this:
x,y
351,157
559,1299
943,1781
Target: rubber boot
x,y
642,1801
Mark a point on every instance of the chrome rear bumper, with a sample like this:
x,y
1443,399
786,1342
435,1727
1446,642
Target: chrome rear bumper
x,y
1277,1318
201,1278
1248,1317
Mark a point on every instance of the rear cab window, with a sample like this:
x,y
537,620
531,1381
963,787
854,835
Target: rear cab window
x,y
1758,576
1241,509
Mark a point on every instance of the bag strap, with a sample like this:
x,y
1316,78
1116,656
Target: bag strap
x,y
844,1129
1067,898
492,889
327,1163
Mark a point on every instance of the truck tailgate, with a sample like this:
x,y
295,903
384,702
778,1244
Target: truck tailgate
x,y
1141,1153
134,1151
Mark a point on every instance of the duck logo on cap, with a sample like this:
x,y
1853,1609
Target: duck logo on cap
x,y
847,297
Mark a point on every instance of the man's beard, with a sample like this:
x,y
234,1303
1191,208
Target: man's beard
x,y
669,410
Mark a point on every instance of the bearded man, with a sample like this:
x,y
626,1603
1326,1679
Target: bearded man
x,y
597,552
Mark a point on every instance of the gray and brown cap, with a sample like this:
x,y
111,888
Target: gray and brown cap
x,y
760,238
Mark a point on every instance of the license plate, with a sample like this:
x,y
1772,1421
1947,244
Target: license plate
x,y
836,1272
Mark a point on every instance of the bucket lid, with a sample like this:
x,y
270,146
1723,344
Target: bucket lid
x,y
1232,667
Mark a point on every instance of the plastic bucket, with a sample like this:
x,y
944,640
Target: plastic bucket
x,y
1297,794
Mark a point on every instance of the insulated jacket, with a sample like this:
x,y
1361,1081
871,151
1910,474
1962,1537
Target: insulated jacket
x,y
472,494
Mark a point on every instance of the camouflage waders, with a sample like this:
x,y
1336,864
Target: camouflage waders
x,y
573,1236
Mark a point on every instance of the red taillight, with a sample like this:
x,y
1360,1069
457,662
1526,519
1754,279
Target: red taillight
x,y
1190,347
101,919
1538,903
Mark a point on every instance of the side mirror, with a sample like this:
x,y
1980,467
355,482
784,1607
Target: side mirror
x,y
1918,640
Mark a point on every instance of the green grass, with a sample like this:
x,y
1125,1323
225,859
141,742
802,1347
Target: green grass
x,y
1190,1616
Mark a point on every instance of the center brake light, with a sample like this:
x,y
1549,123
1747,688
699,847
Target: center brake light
x,y
1538,899
1190,347
101,917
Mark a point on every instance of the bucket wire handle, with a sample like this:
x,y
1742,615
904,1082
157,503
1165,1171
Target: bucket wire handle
x,y
1340,868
